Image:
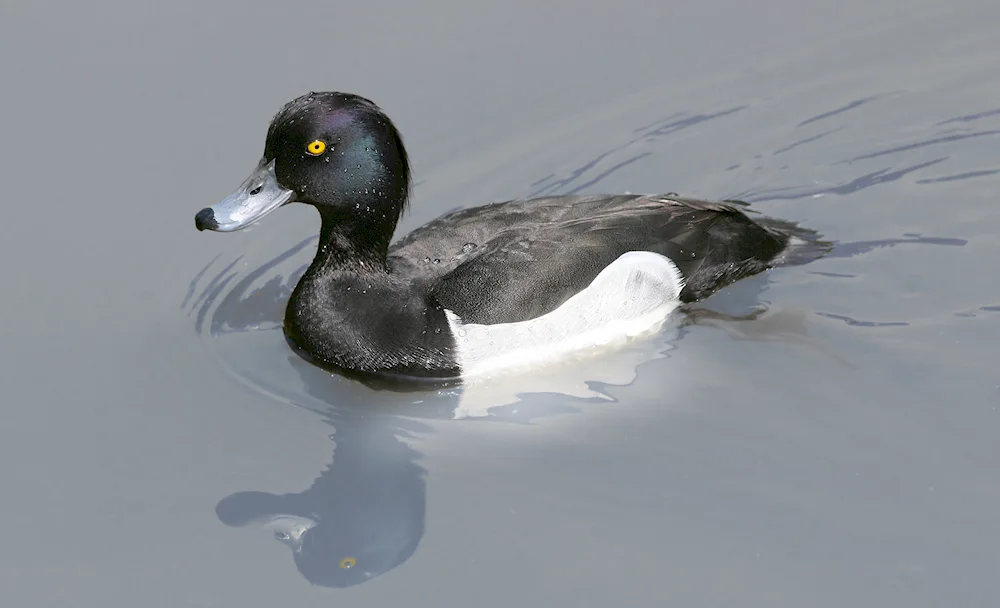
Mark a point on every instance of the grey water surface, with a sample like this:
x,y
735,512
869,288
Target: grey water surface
x,y
823,435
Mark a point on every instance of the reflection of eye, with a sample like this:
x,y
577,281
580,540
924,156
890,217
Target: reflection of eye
x,y
348,562
316,147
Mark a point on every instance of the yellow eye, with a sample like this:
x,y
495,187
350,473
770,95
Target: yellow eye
x,y
316,147
348,563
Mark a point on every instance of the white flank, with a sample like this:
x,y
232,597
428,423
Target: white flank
x,y
633,295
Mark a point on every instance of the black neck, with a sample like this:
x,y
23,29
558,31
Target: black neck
x,y
350,242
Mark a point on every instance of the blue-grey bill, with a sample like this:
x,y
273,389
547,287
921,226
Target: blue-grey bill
x,y
257,196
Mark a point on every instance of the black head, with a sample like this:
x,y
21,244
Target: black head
x,y
335,151
362,517
346,539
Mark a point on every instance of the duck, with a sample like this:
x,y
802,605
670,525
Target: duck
x,y
482,290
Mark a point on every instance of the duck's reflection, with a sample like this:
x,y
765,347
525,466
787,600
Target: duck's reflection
x,y
362,517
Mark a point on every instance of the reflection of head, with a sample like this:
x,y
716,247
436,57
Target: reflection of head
x,y
334,555
364,516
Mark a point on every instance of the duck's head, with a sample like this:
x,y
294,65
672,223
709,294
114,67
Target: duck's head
x,y
335,151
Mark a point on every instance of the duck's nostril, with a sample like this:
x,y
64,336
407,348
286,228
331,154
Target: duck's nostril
x,y
257,190
205,219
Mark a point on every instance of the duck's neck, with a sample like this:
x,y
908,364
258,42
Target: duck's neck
x,y
349,243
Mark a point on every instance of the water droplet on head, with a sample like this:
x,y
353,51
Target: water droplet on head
x,y
461,333
437,261
426,260
466,248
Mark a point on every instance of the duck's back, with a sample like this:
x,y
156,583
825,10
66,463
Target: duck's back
x,y
517,260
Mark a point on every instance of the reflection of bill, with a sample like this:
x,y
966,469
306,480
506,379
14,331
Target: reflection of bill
x,y
363,517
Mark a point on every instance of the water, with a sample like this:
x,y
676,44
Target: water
x,y
822,435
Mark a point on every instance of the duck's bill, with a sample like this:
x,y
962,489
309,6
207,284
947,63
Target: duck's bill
x,y
259,195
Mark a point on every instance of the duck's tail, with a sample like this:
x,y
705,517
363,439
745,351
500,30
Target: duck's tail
x,y
802,244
